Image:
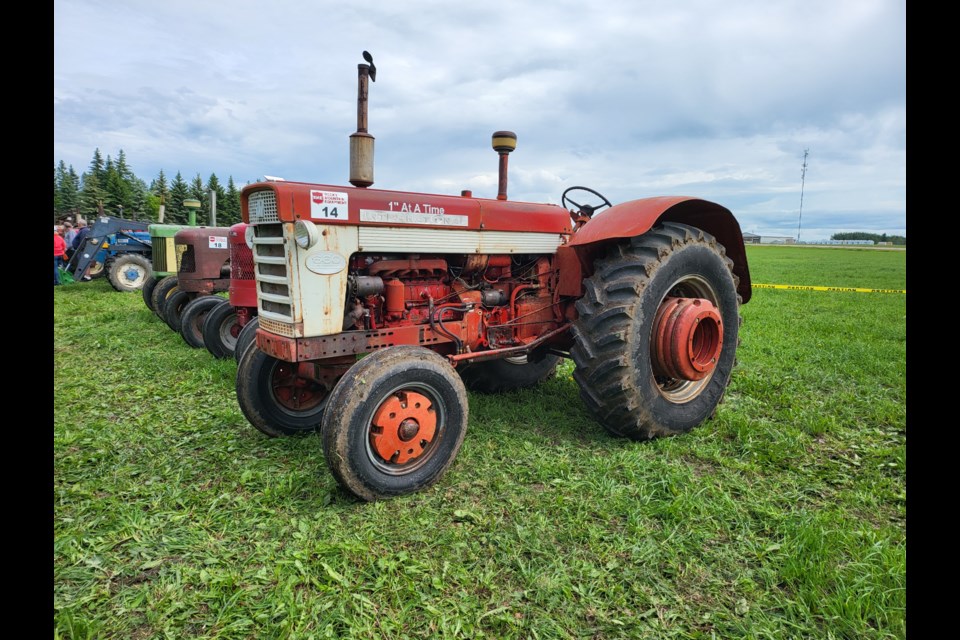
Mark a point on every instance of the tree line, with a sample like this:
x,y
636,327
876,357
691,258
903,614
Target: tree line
x,y
110,187
863,235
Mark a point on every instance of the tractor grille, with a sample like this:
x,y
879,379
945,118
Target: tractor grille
x,y
262,207
273,279
164,255
186,262
279,328
241,261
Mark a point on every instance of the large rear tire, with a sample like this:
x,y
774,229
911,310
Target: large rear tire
x,y
221,328
275,398
498,376
401,416
163,290
193,316
618,364
129,272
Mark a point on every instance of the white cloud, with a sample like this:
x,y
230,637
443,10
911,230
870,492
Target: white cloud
x,y
716,100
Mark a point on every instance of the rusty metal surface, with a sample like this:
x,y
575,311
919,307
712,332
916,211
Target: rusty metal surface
x,y
507,352
687,338
353,342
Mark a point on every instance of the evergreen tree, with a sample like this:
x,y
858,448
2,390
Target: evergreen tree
x,y
119,195
159,193
66,190
91,195
198,192
179,191
231,204
97,168
159,186
213,184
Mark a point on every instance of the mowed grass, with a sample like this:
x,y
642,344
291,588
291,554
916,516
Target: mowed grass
x,y
783,517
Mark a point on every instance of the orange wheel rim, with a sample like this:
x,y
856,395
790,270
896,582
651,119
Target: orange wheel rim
x,y
403,427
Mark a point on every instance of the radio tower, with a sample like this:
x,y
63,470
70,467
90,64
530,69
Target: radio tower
x,y
803,175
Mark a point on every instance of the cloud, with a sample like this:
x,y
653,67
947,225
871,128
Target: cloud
x,y
631,98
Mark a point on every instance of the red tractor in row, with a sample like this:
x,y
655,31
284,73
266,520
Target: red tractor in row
x,y
378,309
225,321
203,270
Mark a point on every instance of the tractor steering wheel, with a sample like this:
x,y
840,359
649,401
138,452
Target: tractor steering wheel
x,y
585,209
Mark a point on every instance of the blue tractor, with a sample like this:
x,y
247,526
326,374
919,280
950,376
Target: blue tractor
x,y
118,248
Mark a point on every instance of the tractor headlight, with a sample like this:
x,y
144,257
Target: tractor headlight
x,y
248,236
306,233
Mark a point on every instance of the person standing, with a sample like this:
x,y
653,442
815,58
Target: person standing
x,y
80,235
69,234
59,249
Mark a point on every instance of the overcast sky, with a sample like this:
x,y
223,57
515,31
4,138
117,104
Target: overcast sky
x,y
640,98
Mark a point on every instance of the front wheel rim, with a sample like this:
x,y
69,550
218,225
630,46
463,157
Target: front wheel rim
x,y
405,428
293,393
229,331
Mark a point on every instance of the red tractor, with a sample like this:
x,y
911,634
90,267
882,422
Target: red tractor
x,y
203,269
371,302
226,320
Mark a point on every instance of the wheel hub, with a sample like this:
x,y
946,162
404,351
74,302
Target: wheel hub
x,y
687,338
293,391
403,427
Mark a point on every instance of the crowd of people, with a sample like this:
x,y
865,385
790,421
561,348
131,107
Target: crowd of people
x,y
67,238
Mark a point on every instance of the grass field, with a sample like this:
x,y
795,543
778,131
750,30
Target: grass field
x,y
784,517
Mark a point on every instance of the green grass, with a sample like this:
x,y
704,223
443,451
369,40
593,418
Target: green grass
x,y
784,517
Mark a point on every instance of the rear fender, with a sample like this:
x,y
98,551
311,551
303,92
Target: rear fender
x,y
636,217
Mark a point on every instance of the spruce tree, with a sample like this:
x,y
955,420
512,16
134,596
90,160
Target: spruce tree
x,y
232,202
213,184
91,196
97,168
179,191
66,191
198,192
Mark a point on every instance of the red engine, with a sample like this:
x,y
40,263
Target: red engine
x,y
500,300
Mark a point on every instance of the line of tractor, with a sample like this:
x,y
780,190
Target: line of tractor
x,y
367,314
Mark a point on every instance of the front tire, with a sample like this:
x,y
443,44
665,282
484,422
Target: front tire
x,y
275,399
401,416
173,308
147,291
193,316
221,329
247,337
163,290
129,272
619,366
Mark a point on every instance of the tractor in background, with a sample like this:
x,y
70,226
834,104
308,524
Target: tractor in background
x,y
371,302
164,262
226,322
118,248
203,270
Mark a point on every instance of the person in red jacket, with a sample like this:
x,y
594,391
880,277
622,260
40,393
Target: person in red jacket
x,y
59,249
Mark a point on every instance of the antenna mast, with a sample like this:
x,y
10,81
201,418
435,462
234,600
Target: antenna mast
x,y
803,175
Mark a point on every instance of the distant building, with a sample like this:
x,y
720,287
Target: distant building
x,y
777,240
751,238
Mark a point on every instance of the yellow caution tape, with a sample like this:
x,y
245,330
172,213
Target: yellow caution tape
x,y
797,287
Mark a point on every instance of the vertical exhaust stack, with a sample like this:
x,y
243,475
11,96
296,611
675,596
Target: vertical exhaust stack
x,y
503,143
361,142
